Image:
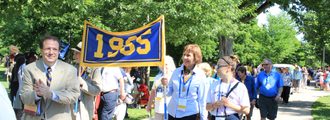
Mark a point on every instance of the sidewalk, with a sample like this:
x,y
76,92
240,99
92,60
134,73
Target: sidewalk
x,y
299,107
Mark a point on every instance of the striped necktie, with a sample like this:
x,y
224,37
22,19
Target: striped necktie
x,y
49,80
49,76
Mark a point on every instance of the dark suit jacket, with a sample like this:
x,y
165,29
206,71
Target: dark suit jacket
x,y
19,60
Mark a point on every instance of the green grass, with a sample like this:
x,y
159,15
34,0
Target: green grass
x,y
137,114
3,80
321,108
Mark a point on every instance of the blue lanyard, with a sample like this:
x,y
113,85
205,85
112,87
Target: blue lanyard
x,y
182,82
219,95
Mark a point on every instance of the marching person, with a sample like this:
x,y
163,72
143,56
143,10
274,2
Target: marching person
x,y
249,83
287,82
297,77
90,86
16,84
121,108
17,103
112,87
208,72
187,87
6,111
49,85
227,97
19,59
157,89
270,86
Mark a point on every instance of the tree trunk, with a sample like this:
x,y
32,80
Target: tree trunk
x,y
225,46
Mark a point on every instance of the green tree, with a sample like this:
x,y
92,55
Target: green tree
x,y
186,21
276,41
313,20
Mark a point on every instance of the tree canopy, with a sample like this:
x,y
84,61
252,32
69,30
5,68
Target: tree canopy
x,y
201,22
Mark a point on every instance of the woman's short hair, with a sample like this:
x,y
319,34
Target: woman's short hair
x,y
206,68
231,60
13,48
241,69
170,63
195,50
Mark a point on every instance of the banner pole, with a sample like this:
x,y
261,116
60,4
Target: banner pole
x,y
165,71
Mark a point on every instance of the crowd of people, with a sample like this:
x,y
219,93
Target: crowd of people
x,y
49,88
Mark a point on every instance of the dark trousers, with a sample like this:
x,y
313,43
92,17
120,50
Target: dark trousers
x,y
286,94
268,107
107,105
191,117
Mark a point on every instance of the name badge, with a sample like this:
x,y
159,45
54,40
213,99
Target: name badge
x,y
30,109
268,86
182,104
159,96
220,118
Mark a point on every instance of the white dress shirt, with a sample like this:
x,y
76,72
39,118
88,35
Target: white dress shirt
x,y
110,78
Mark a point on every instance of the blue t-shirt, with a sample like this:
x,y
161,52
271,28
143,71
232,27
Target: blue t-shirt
x,y
251,87
268,85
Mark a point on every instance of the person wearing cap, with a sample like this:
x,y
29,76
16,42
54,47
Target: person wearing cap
x,y
270,86
90,86
49,85
227,97
187,87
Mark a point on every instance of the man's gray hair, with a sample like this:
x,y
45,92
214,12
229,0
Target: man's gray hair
x,y
267,60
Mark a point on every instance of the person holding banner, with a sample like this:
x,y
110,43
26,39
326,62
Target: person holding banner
x,y
49,85
90,86
227,97
157,89
187,87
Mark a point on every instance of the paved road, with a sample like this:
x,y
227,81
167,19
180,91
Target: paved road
x,y
299,107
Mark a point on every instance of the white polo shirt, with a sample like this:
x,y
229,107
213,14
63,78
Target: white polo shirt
x,y
110,78
239,96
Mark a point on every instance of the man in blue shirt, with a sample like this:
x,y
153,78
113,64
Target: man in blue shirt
x,y
269,83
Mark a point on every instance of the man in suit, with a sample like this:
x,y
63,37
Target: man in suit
x,y
49,85
90,86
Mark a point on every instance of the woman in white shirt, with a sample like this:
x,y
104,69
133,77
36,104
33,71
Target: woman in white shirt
x,y
157,89
227,98
6,111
